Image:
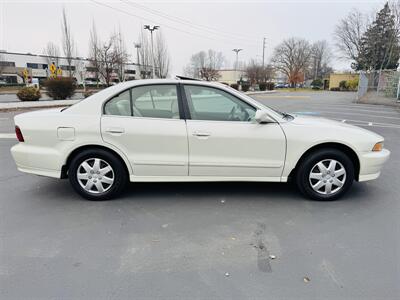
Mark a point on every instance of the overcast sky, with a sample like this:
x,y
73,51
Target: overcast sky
x,y
27,26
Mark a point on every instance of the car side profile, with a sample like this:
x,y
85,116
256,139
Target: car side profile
x,y
186,130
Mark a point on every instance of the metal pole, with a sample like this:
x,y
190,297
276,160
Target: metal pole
x,y
236,50
263,59
152,54
398,91
151,29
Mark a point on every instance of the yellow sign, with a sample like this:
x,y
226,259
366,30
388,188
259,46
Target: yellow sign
x,y
25,72
59,72
53,68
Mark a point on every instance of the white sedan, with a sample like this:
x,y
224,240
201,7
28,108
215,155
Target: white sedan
x,y
186,130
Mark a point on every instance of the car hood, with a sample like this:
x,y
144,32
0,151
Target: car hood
x,y
319,130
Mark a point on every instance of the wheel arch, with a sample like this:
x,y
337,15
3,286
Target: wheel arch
x,y
331,145
73,153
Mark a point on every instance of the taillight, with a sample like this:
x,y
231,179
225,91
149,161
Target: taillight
x,y
18,132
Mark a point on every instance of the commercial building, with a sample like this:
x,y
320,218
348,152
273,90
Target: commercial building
x,y
13,64
231,76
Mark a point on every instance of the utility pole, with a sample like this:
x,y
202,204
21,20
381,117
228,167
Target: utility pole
x,y
236,50
263,60
151,29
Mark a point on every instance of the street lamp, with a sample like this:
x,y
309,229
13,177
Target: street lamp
x,y
236,50
151,29
138,46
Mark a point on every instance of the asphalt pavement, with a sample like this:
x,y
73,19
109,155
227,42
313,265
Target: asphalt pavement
x,y
206,240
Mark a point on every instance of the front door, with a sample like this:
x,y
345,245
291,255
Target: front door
x,y
225,140
144,123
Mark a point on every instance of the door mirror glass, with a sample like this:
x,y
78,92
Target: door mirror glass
x,y
263,117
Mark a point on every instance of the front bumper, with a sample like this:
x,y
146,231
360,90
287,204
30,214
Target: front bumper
x,y
371,164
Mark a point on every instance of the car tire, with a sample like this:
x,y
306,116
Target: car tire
x,y
97,174
320,175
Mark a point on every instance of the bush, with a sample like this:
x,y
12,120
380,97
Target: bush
x,y
29,94
263,86
245,87
343,86
334,89
270,86
60,88
317,83
353,84
235,86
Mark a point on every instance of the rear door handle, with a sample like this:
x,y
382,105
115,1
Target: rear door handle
x,y
201,133
115,130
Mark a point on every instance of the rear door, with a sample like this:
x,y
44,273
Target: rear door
x,y
225,140
144,122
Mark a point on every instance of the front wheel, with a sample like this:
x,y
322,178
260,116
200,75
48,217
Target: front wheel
x,y
97,174
325,174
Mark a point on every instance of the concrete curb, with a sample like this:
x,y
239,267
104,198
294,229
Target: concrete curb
x,y
260,92
36,104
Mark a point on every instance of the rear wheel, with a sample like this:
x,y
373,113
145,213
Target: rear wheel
x,y
97,174
325,174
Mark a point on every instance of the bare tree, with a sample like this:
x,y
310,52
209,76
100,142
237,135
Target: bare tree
x,y
107,59
348,34
320,59
161,56
257,73
292,58
67,41
120,55
52,51
145,55
205,65
94,52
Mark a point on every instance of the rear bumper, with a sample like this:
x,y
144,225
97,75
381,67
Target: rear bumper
x,y
36,160
371,164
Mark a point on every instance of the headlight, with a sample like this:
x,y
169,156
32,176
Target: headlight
x,y
378,147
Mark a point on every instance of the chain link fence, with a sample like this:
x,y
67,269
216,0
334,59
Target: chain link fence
x,y
379,84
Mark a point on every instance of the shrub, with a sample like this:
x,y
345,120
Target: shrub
x,y
263,86
353,84
245,87
29,94
343,86
235,86
270,86
334,89
317,83
60,88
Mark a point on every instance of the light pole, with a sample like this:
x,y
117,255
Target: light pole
x,y
236,50
263,59
137,46
151,29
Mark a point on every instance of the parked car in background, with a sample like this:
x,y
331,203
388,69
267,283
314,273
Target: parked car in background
x,y
184,130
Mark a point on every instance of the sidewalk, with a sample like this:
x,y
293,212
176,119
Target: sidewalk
x,y
36,104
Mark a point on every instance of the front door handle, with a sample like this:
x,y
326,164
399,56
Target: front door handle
x,y
201,133
115,130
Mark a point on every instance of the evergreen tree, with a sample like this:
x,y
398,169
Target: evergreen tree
x,y
380,46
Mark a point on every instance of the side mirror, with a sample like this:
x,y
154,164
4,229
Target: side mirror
x,y
263,117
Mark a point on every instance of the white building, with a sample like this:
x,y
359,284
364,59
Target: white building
x,y
13,64
231,76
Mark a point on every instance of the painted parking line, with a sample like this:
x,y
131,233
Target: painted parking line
x,y
8,136
368,123
357,114
340,109
375,108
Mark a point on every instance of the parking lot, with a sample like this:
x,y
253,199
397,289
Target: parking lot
x,y
206,240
